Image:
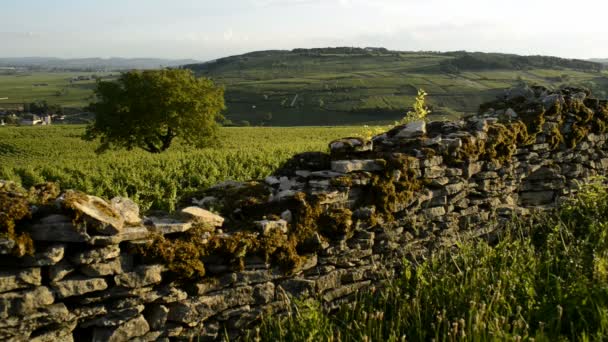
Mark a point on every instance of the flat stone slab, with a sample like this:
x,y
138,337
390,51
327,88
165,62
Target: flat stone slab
x,y
98,213
346,166
412,130
78,286
140,277
96,255
166,225
127,234
57,228
203,216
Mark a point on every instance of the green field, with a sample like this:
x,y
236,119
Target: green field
x,y
334,87
54,87
31,155
324,87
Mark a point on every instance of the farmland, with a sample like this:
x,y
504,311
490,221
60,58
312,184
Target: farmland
x,y
54,87
340,86
31,155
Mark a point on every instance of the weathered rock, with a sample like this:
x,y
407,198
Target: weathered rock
x,y
346,166
57,228
203,216
44,256
124,263
76,286
19,279
136,327
127,234
166,225
60,270
157,316
24,302
267,226
128,209
412,130
94,211
96,255
355,144
142,276
6,246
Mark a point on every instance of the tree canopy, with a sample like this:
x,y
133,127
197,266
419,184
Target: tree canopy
x,y
148,109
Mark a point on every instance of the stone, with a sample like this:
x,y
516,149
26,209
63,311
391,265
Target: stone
x,y
303,173
510,113
412,130
267,226
434,212
353,144
44,256
6,246
165,225
128,209
142,276
77,286
326,174
285,183
537,198
345,290
299,287
19,279
264,293
96,255
151,336
287,216
124,263
96,212
346,166
114,317
62,333
24,302
272,180
136,327
57,228
203,216
127,234
157,316
60,270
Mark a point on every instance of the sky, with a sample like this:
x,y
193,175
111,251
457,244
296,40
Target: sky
x,y
209,29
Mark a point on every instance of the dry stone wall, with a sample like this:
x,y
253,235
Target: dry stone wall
x,y
78,267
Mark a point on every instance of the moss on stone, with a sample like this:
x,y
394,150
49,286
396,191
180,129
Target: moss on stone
x,y
14,207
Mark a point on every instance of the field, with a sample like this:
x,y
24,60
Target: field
x,y
324,88
282,88
30,155
54,87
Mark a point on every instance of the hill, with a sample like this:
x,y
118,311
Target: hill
x,y
354,85
600,60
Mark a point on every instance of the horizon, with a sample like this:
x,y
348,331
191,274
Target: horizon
x,y
253,51
205,30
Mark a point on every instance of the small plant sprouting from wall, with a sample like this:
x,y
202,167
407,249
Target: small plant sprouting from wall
x,y
421,110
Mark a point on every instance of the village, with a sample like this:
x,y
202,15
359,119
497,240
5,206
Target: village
x,y
37,113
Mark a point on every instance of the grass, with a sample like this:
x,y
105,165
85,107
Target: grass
x,y
30,155
545,279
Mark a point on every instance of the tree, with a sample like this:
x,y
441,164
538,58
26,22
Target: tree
x,y
148,109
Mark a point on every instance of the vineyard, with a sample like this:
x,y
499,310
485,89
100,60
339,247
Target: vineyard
x,y
30,155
